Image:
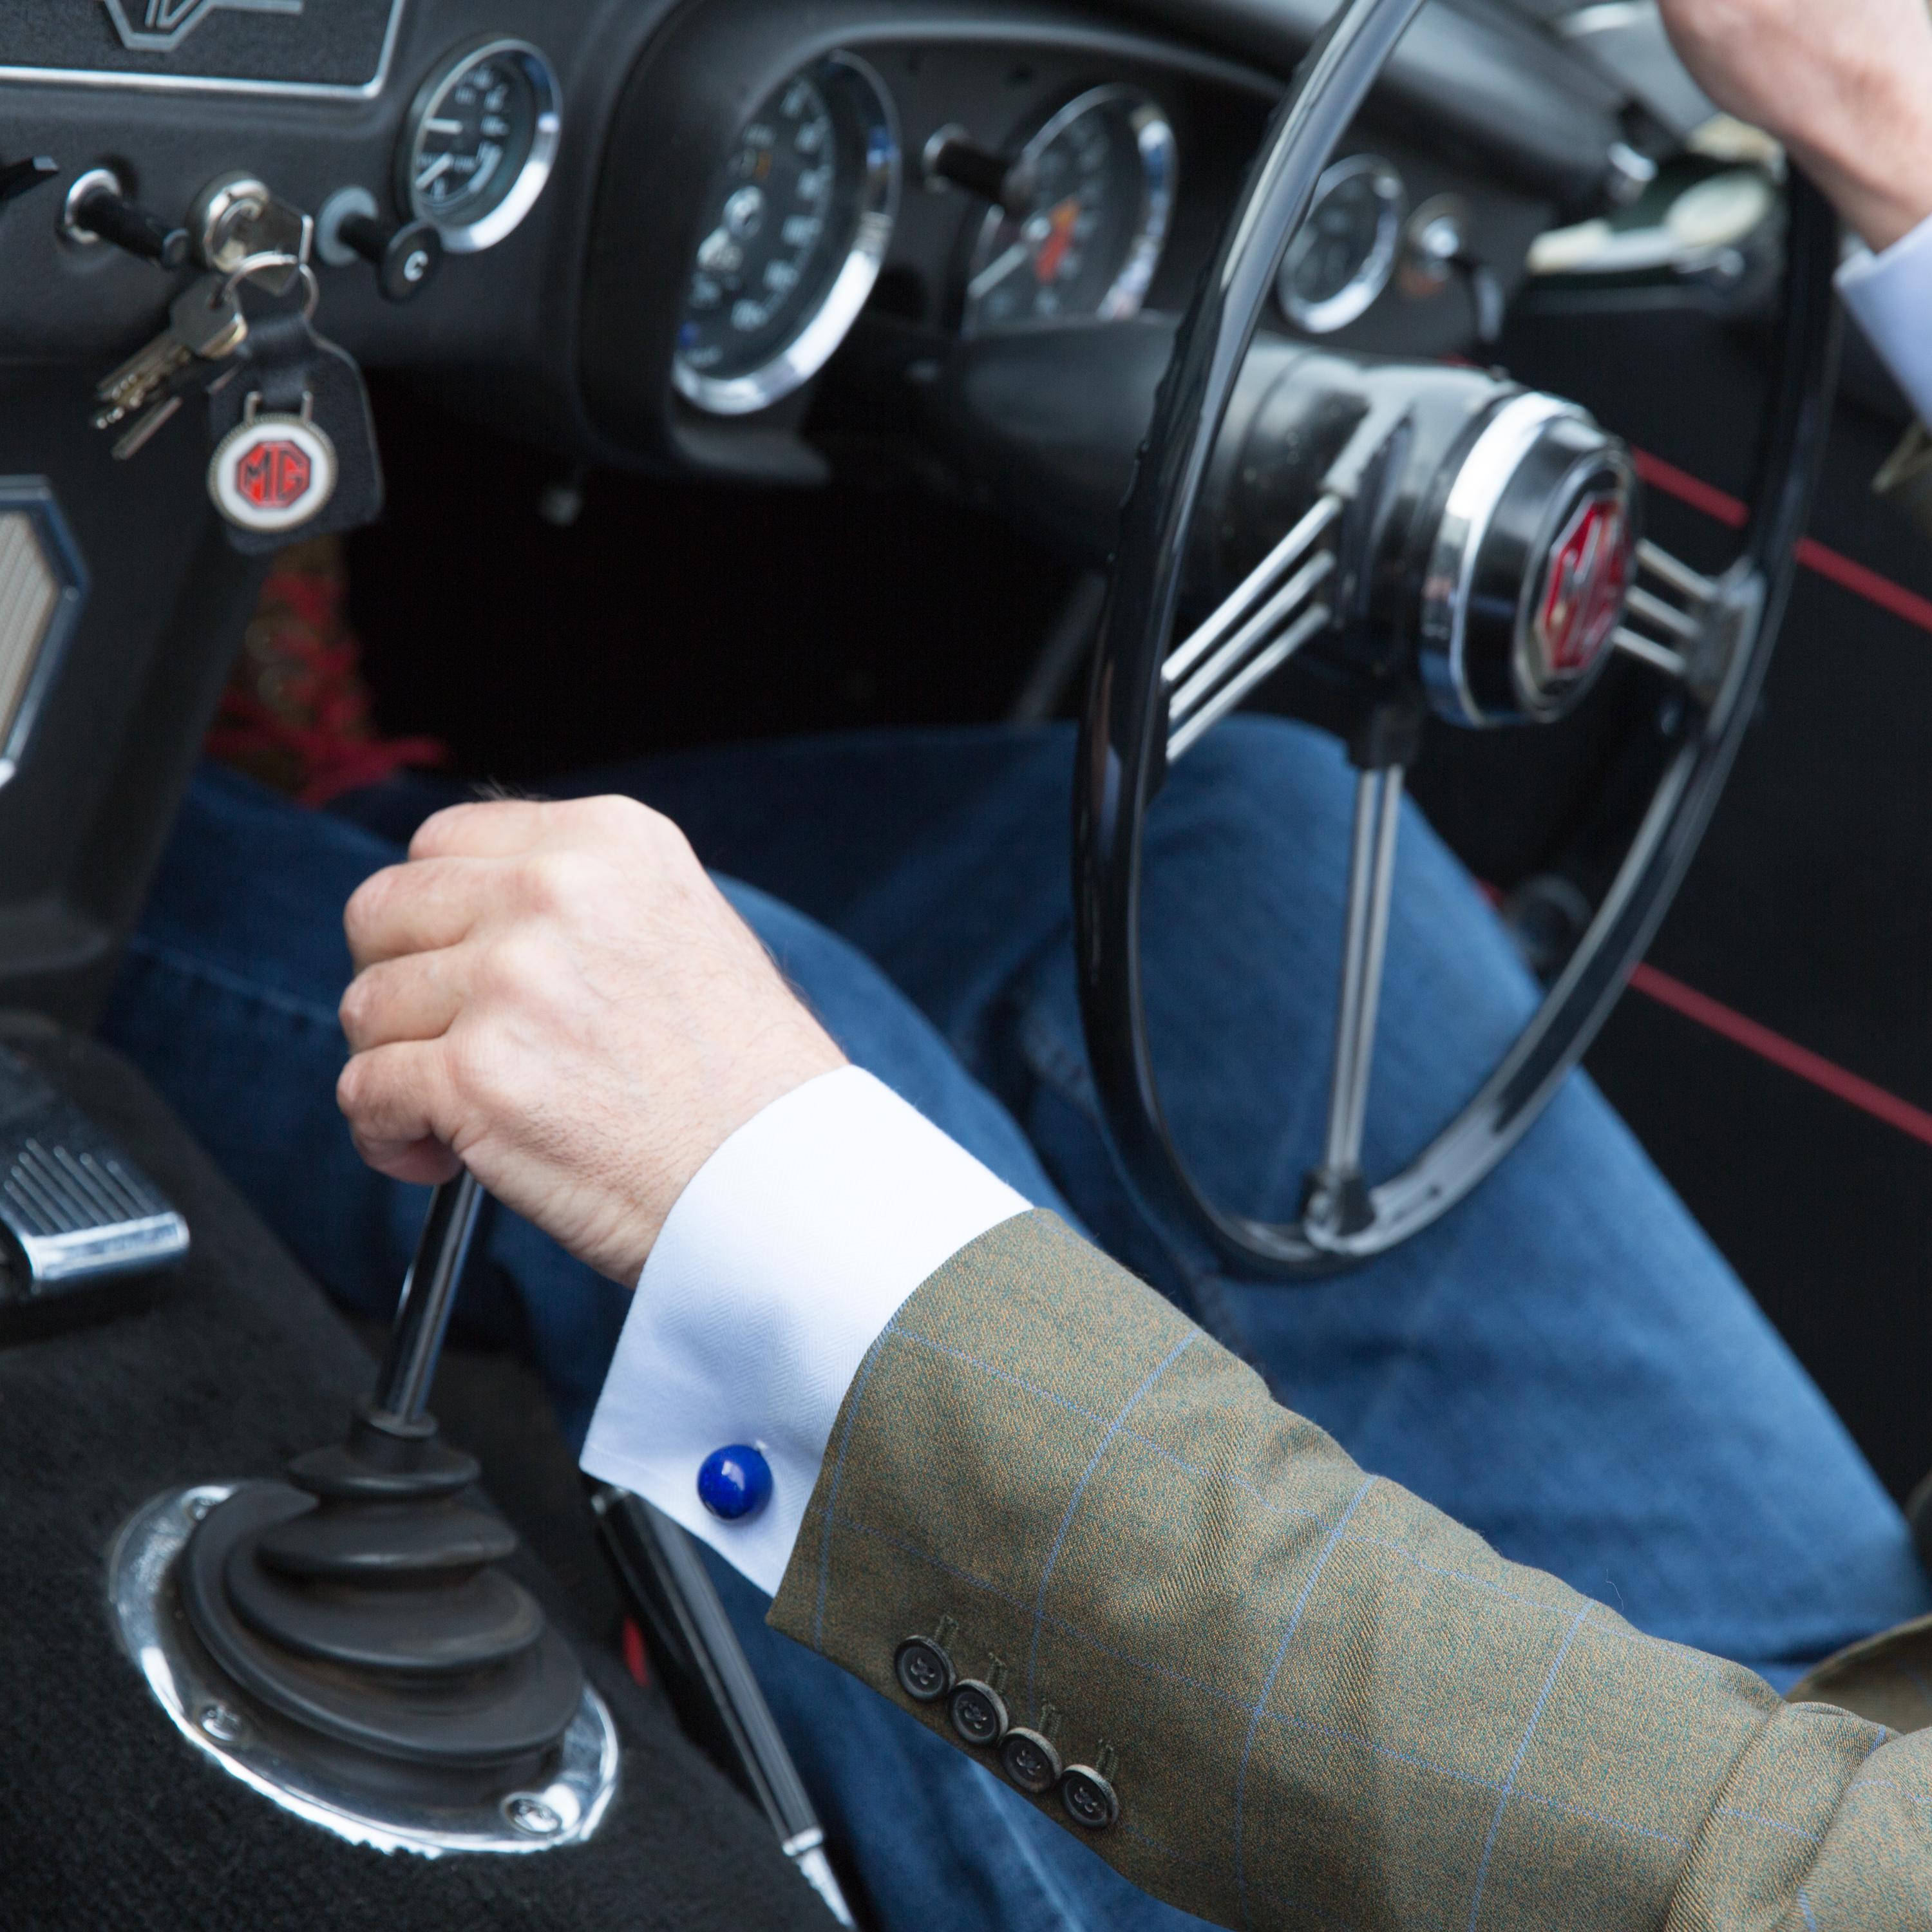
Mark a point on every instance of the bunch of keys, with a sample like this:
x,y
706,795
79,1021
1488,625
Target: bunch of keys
x,y
205,326
295,445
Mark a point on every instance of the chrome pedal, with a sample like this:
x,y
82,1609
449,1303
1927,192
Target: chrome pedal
x,y
74,1208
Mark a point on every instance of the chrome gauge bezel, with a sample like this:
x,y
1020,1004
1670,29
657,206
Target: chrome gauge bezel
x,y
1354,298
467,238
824,328
1159,157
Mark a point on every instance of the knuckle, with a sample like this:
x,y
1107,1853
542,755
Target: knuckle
x,y
354,1010
442,832
518,964
479,1074
351,1088
367,905
560,882
614,813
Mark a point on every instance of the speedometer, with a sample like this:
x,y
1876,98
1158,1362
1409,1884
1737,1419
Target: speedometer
x,y
1084,219
795,229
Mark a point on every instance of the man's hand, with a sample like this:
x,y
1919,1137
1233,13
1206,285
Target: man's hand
x,y
557,995
1846,84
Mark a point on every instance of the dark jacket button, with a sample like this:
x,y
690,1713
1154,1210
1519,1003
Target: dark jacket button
x,y
978,1712
1030,1760
1089,1798
924,1670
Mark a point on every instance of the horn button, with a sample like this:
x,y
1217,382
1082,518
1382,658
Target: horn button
x,y
1528,564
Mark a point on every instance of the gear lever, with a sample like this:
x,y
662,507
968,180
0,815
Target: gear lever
x,y
429,1294
374,1665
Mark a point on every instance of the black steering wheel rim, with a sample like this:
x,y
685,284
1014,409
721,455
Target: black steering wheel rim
x,y
1122,747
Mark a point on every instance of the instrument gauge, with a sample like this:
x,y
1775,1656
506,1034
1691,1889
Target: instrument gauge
x,y
794,231
478,143
1085,216
1344,250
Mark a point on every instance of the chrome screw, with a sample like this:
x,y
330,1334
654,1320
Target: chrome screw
x,y
532,1815
221,1724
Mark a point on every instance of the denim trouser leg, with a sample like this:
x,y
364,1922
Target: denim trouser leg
x,y
1564,1362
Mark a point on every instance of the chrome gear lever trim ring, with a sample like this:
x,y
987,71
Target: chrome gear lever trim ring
x,y
562,1804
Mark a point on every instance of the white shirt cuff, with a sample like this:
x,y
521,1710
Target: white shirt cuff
x,y
1890,295
789,1252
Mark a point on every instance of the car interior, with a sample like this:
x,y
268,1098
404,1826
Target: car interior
x,y
628,377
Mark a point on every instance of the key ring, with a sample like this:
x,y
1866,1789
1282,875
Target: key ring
x,y
252,265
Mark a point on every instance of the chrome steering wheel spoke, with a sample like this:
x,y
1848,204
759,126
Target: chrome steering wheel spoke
x,y
1336,1204
1253,631
1685,622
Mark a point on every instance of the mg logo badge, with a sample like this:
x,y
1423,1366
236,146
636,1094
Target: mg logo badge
x,y
1585,582
273,475
272,472
160,26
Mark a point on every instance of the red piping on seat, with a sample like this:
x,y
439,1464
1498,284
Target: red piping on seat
x,y
1801,1061
1832,564
1727,1022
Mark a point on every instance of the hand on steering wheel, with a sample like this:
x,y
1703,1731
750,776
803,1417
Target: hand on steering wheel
x,y
1848,89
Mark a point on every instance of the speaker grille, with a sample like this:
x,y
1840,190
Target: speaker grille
x,y
30,595
41,584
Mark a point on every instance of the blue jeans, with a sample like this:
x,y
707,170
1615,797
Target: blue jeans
x,y
1563,1363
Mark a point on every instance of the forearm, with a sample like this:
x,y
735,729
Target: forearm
x,y
1324,1699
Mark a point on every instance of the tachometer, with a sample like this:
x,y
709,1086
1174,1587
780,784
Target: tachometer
x,y
1343,253
795,231
477,146
1085,216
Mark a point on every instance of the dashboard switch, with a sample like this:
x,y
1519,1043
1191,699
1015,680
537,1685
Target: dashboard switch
x,y
949,157
98,210
17,177
406,257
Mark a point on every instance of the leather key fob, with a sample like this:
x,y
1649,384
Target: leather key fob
x,y
295,445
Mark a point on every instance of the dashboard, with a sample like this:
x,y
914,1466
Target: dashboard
x,y
682,236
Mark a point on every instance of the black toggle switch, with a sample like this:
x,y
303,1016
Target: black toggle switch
x,y
17,177
405,259
950,157
100,212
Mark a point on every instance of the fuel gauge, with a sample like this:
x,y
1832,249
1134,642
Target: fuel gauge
x,y
477,146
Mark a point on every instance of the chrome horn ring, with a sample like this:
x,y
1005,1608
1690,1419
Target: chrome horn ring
x,y
1150,700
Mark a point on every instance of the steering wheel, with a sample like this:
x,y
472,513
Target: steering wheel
x,y
1471,550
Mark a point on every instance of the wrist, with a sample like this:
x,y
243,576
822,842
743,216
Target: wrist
x,y
1879,175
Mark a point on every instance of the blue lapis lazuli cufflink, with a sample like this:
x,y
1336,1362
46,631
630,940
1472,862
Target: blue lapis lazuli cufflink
x,y
734,1482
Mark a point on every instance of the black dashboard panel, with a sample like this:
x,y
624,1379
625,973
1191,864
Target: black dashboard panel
x,y
561,326
562,331
342,47
994,73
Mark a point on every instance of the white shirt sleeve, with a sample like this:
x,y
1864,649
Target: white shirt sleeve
x,y
781,1261
1890,295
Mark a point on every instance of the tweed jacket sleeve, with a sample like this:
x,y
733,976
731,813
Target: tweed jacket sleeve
x,y
1319,1701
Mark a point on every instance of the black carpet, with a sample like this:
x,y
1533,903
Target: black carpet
x,y
107,1819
